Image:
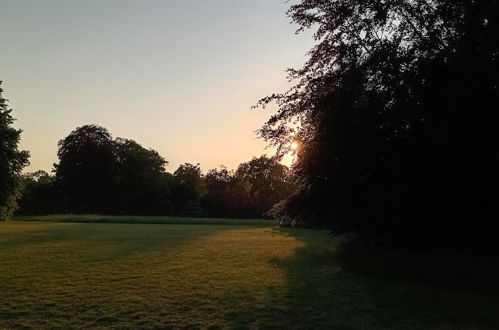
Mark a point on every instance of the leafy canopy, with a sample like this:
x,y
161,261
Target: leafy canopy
x,y
396,112
12,161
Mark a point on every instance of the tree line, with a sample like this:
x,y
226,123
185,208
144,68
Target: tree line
x,y
97,174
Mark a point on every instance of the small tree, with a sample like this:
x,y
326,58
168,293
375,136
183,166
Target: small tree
x,y
38,194
187,190
266,181
12,161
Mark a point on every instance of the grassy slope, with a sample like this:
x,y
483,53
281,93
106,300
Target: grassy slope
x,y
71,275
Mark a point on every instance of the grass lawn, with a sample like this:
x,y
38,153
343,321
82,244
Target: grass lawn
x,y
145,220
230,275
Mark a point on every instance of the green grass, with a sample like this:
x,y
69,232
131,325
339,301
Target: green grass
x,y
145,220
59,275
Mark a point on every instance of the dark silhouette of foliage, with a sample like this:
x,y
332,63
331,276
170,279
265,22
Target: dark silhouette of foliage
x,y
225,195
142,182
12,161
398,122
266,182
187,190
86,172
97,174
38,194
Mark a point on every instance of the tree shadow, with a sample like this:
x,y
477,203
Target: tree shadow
x,y
330,286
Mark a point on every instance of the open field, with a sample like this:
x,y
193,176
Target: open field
x,y
162,276
145,220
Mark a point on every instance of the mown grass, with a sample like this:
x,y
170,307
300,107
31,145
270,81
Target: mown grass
x,y
151,276
145,220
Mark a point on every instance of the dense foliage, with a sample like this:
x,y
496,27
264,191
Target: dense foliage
x,y
397,113
142,185
86,172
266,181
12,161
100,175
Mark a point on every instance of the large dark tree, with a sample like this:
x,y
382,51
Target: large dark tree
x,y
12,161
142,182
86,172
398,122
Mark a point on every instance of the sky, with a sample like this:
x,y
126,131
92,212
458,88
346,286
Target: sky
x,y
177,76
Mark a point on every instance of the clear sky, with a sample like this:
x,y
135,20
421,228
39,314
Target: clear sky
x,y
176,76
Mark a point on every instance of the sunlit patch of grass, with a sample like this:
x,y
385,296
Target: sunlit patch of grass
x,y
182,276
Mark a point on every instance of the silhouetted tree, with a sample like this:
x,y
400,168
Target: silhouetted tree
x,y
397,105
266,181
86,172
142,182
187,190
12,161
225,195
38,197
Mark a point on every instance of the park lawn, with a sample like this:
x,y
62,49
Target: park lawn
x,y
168,276
145,220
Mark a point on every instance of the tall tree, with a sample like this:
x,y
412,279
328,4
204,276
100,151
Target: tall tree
x,y
12,161
397,111
86,172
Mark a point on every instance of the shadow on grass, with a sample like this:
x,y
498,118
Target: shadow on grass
x,y
333,287
454,271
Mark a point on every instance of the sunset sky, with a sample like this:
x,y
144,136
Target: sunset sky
x,y
176,76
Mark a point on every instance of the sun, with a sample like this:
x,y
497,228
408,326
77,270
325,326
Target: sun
x,y
294,146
